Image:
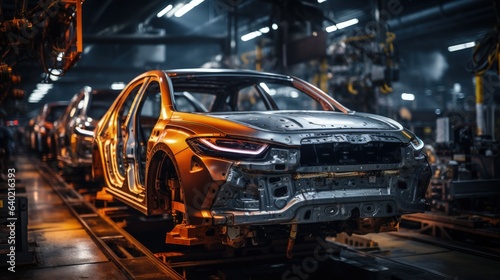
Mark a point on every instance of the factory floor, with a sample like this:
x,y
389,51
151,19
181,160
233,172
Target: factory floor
x,y
58,246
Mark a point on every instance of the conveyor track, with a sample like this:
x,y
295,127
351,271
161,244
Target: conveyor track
x,y
341,260
124,250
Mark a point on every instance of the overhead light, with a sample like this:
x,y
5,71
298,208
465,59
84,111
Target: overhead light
x,y
250,36
54,74
341,25
321,1
175,9
118,85
164,11
60,56
257,33
35,98
44,86
264,29
186,8
39,92
461,46
408,96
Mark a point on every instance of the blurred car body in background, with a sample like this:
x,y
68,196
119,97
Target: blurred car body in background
x,y
71,138
39,127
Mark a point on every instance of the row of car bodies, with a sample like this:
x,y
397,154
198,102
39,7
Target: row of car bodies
x,y
63,130
242,157
40,126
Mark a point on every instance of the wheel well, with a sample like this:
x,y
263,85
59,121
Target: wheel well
x,y
162,182
163,165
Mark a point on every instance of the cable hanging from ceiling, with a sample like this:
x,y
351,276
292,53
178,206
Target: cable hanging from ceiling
x,y
487,50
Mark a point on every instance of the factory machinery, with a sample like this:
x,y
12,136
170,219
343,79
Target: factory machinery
x,y
464,191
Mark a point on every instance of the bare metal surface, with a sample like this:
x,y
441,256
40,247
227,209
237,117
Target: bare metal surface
x,y
266,151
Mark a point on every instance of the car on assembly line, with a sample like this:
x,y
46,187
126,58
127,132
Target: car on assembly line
x,y
242,157
71,138
39,127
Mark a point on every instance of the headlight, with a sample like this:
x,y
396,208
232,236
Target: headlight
x,y
225,147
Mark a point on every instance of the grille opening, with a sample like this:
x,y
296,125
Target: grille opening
x,y
346,153
273,180
388,209
280,191
402,185
279,167
307,215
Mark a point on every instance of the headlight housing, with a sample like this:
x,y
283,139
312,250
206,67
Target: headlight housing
x,y
227,147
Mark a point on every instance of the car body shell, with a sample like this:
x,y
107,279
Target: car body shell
x,y
72,135
39,127
228,175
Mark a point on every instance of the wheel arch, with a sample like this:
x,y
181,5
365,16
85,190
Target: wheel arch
x,y
162,180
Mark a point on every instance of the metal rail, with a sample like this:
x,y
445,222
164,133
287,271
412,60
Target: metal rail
x,y
345,257
135,260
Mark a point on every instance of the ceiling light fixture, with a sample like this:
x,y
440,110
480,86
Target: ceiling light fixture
x,y
118,85
164,11
175,9
39,92
250,36
186,8
341,25
408,96
60,56
255,34
264,30
458,47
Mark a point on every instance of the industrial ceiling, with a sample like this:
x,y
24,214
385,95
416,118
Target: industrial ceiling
x,y
121,39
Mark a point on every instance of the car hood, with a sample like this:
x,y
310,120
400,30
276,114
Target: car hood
x,y
293,121
291,127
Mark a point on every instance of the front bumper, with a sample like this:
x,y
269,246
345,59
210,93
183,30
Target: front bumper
x,y
255,196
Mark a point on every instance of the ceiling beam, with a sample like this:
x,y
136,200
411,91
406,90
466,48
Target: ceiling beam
x,y
142,39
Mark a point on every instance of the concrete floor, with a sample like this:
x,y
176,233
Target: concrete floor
x,y
447,262
59,247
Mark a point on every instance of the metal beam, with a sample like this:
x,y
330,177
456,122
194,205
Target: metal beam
x,y
141,39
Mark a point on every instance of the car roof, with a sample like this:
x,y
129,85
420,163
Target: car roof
x,y
222,72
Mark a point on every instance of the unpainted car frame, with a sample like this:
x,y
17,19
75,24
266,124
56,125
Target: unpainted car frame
x,y
239,169
39,127
71,138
